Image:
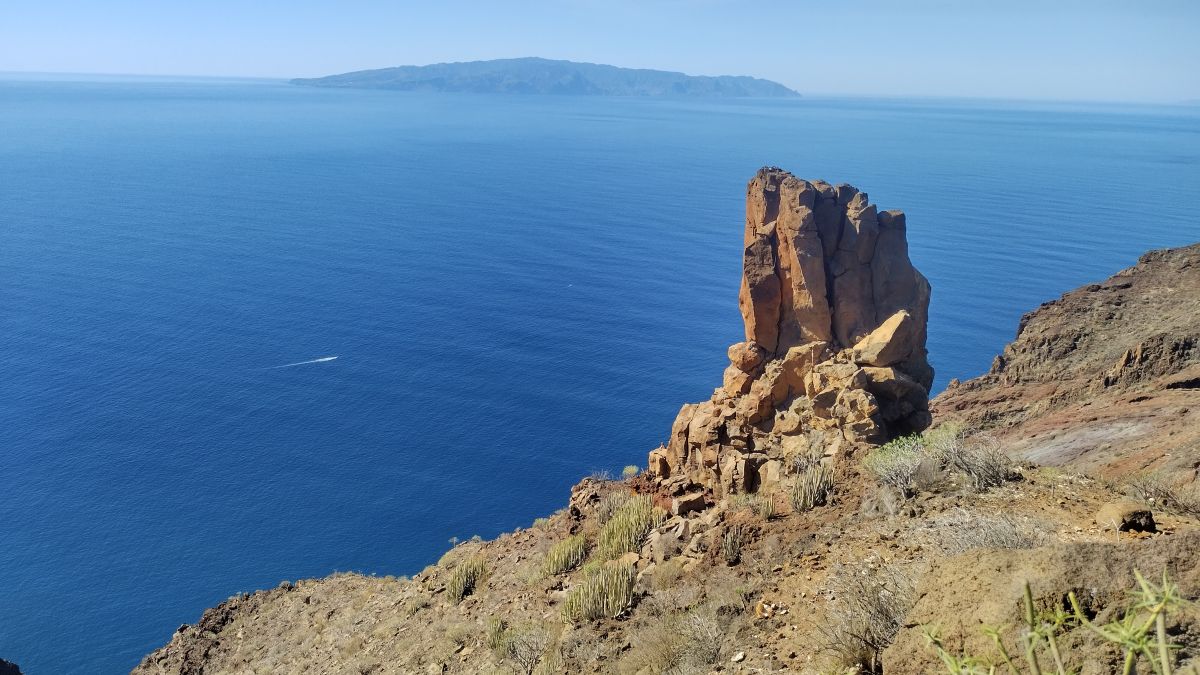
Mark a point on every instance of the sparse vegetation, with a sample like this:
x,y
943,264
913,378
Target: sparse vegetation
x,y
604,593
630,471
466,576
1140,635
1170,495
523,646
677,643
896,463
762,504
911,463
566,555
624,532
981,460
732,543
812,488
871,600
966,530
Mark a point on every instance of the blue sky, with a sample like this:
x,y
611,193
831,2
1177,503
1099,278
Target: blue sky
x,y
1135,50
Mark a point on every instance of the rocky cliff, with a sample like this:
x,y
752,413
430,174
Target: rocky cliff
x,y
835,317
1106,378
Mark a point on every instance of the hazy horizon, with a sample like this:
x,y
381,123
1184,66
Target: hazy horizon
x,y
1073,50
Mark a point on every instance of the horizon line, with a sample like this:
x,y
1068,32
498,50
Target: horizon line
x,y
803,94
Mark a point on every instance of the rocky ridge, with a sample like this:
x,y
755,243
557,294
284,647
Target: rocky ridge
x,y
835,318
1105,378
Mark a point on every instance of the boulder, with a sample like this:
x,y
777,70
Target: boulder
x,y
892,342
746,356
1126,515
687,503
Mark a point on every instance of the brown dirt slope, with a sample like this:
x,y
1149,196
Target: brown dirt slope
x,y
1105,379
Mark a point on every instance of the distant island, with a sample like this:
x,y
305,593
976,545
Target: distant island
x,y
546,76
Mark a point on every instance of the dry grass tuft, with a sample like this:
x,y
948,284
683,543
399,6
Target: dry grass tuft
x,y
680,643
871,600
965,530
524,646
1170,495
910,463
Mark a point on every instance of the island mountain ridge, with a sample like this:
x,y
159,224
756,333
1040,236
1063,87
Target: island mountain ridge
x,y
534,75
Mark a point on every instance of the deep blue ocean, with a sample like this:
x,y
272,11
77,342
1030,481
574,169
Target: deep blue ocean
x,y
519,291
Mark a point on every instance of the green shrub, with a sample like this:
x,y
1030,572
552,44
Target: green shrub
x,y
630,471
897,463
812,488
906,462
605,593
624,532
465,578
565,555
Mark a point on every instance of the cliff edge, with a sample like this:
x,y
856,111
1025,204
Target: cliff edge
x,y
1104,379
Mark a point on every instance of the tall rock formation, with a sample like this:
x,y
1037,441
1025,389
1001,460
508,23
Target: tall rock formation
x,y
835,317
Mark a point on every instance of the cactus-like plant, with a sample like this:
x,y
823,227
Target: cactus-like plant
x,y
605,593
566,555
812,488
465,578
1140,634
629,525
731,544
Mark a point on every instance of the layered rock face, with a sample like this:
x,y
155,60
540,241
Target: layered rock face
x,y
835,317
1105,379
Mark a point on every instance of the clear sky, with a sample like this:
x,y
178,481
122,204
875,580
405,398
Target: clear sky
x,y
1134,50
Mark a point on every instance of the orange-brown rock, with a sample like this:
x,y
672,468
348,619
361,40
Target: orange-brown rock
x,y
834,354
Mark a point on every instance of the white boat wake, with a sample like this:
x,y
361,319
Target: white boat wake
x,y
323,359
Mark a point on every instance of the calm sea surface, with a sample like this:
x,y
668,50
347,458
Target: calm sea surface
x,y
519,291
